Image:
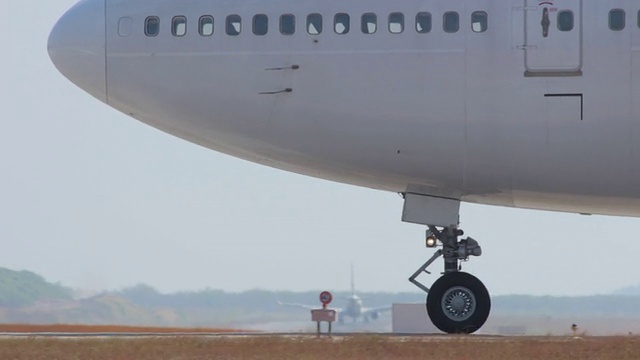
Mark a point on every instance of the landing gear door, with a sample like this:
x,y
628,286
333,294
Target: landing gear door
x,y
553,38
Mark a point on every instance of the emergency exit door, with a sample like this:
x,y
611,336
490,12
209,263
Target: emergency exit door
x,y
553,37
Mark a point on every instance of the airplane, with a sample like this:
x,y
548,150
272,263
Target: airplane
x,y
354,308
518,103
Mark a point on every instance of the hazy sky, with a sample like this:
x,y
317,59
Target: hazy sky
x,y
94,199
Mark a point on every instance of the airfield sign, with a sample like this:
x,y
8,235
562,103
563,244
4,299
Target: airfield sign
x,y
324,314
325,298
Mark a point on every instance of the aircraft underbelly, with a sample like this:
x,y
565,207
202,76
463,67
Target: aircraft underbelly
x,y
339,133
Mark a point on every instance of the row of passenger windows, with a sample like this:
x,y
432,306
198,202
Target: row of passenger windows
x,y
368,23
617,20
314,24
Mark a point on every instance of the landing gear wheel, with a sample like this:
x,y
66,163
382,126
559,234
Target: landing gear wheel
x,y
458,303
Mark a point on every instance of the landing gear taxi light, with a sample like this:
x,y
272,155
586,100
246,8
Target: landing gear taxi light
x,y
432,241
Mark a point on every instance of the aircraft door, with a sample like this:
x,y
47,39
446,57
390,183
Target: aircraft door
x,y
553,37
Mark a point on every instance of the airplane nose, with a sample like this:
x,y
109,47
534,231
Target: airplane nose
x,y
77,46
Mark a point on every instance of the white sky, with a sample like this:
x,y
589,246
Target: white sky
x,y
95,200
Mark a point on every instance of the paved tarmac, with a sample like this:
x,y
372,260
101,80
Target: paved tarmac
x,y
335,336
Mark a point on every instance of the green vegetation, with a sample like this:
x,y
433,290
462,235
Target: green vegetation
x,y
263,300
20,288
629,290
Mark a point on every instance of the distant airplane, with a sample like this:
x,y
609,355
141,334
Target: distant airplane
x,y
520,103
354,308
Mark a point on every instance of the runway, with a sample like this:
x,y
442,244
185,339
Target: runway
x,y
115,331
289,335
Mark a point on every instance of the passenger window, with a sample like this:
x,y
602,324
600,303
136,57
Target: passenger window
x,y
423,22
287,24
314,24
260,24
152,26
234,25
124,26
451,22
369,23
479,21
205,25
341,23
396,23
616,19
565,20
179,26
639,18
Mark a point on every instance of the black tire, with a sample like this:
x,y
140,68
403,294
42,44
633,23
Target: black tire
x,y
458,303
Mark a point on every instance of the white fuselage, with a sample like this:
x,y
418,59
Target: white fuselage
x,y
507,116
353,309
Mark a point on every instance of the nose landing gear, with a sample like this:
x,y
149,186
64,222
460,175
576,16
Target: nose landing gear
x,y
457,302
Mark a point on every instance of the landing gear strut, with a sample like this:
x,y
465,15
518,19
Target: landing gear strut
x,y
457,302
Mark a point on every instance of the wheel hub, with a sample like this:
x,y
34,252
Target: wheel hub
x,y
458,303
